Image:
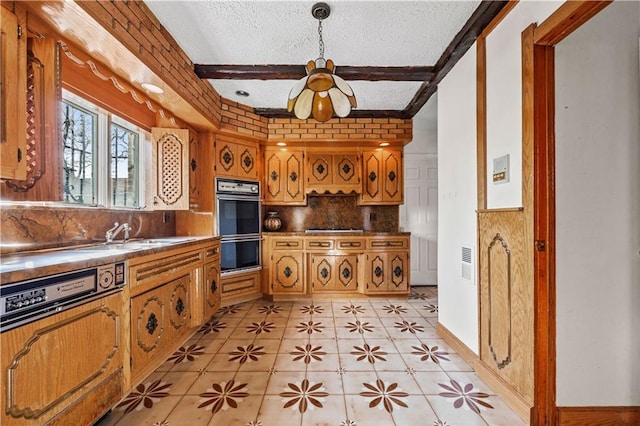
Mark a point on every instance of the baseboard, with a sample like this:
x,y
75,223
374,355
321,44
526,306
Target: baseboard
x,y
504,390
598,416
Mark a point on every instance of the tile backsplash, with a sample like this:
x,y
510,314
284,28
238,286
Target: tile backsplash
x,y
29,227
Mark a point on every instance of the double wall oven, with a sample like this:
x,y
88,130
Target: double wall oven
x,y
238,221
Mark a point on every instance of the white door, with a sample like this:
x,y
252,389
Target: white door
x,y
419,215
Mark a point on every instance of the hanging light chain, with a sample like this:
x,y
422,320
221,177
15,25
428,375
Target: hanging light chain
x,y
321,43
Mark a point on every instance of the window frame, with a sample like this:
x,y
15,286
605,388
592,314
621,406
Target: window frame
x,y
102,154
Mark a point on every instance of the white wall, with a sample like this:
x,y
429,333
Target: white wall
x,y
457,199
504,98
598,210
425,129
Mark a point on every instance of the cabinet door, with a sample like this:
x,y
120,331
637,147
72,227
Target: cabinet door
x,y
211,290
274,183
288,273
284,177
149,318
295,179
375,273
247,162
323,274
13,161
226,161
171,169
393,183
346,172
319,171
398,272
179,306
346,277
372,186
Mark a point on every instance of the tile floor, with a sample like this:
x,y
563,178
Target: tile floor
x,y
362,362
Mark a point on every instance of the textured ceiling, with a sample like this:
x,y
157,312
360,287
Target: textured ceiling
x,y
357,33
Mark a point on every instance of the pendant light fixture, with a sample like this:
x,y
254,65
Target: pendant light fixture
x,y
321,93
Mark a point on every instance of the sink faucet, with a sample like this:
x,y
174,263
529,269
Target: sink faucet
x,y
113,232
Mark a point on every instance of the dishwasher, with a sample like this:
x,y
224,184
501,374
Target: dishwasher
x,y
60,350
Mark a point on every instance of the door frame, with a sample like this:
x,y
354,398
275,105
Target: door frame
x,y
538,126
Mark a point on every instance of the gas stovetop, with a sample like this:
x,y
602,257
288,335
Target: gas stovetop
x,y
312,230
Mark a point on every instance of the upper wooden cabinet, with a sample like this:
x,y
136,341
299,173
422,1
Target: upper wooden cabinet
x,y
236,159
382,177
284,177
13,127
332,173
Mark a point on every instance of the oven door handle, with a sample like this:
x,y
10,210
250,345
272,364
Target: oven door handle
x,y
239,239
231,197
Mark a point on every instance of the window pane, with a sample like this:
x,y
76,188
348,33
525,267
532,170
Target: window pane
x,y
79,138
124,170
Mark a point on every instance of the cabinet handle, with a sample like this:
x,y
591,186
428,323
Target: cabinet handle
x,y
152,323
194,165
274,175
346,169
346,273
226,157
287,272
19,155
378,271
247,161
324,273
179,306
392,176
372,176
397,271
214,286
293,176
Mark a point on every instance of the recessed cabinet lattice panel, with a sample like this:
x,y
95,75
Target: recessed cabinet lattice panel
x,y
171,167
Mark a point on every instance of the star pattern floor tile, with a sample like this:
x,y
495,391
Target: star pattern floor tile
x,y
319,362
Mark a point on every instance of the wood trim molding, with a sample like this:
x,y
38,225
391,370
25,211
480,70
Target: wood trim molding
x,y
499,17
604,416
503,389
566,19
481,121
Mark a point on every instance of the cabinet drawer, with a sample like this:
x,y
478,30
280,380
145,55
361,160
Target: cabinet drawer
x,y
396,243
286,244
212,253
320,244
343,244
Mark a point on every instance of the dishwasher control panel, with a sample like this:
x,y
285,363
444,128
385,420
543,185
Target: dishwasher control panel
x,y
26,300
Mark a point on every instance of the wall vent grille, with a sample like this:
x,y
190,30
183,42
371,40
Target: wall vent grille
x,y
466,256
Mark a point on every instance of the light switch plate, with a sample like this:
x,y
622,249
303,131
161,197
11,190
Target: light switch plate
x,y
501,169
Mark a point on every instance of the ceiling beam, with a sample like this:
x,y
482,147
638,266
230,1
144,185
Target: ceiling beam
x,y
481,17
296,72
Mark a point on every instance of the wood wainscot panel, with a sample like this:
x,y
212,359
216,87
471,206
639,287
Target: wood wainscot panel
x,y
506,298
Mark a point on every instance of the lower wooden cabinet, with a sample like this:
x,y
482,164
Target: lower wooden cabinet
x,y
211,287
287,273
238,288
297,265
386,272
330,273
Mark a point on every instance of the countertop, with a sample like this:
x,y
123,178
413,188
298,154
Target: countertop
x,y
335,234
27,265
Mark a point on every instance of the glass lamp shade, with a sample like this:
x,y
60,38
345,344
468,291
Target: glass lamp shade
x,y
321,93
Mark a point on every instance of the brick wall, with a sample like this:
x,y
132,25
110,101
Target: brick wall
x,y
135,26
392,129
241,118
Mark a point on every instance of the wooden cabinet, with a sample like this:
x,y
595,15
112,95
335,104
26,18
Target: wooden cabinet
x,y
332,173
386,268
159,318
211,282
166,304
284,177
236,159
13,155
330,273
66,368
287,273
170,168
382,177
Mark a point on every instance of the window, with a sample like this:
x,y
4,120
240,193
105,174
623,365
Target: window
x,y
102,156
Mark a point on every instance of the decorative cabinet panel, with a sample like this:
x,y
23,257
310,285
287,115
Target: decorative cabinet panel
x,y
13,161
387,272
234,159
211,282
332,173
284,177
159,318
287,271
330,273
382,177
171,169
63,369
